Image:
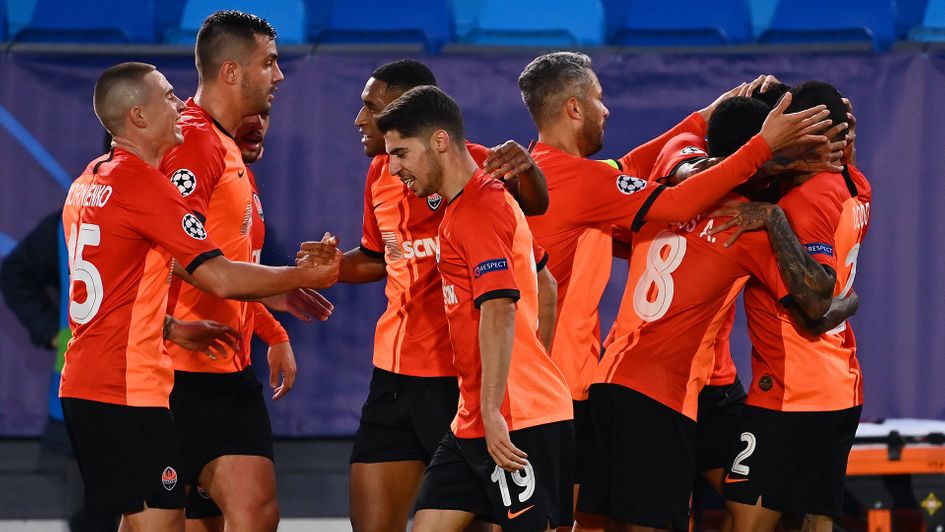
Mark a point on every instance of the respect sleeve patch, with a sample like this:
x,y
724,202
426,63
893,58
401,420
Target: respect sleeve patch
x,y
491,265
819,248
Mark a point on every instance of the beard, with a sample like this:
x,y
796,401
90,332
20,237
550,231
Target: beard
x,y
257,98
591,138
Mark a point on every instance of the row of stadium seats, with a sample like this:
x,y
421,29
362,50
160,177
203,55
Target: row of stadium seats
x,y
561,23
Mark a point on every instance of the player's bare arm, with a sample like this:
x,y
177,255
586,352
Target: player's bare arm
x,y
359,267
205,336
810,284
227,279
510,162
496,335
547,307
303,303
840,310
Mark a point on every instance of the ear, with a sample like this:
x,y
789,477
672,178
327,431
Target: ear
x,y
440,140
572,107
230,72
136,117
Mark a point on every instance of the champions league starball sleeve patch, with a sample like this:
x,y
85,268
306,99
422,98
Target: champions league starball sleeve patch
x,y
193,227
629,184
185,181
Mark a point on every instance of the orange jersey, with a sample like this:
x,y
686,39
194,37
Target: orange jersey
x,y
587,198
683,148
124,222
402,228
792,369
265,325
486,252
681,287
680,149
208,171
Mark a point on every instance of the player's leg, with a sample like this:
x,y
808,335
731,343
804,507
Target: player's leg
x,y
244,487
382,494
818,523
827,499
203,515
206,524
592,437
153,520
442,520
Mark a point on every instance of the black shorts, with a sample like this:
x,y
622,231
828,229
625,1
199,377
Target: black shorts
x,y
640,464
720,412
219,414
404,417
582,424
795,461
200,505
128,456
462,476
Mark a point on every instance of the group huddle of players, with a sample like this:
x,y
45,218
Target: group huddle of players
x,y
493,399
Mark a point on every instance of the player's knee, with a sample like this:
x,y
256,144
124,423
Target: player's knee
x,y
263,516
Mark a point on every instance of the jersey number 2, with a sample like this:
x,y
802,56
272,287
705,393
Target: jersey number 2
x,y
83,271
654,292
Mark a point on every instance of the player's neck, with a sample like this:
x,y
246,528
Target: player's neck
x,y
559,139
221,107
150,155
457,171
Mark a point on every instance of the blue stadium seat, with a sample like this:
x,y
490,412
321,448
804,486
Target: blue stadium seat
x,y
318,16
681,23
3,21
111,21
286,16
932,28
832,21
465,16
539,23
381,21
909,14
167,14
761,13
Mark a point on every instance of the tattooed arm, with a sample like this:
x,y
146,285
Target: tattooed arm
x,y
840,310
810,284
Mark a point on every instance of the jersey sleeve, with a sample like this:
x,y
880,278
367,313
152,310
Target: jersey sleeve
x,y
701,191
541,256
478,152
639,161
814,219
487,248
166,220
194,167
372,243
680,149
267,327
606,195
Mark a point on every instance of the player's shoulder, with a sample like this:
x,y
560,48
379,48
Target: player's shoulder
x,y
686,143
822,188
862,186
478,152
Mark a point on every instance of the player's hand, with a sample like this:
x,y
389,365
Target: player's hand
x,y
507,160
810,158
762,82
740,90
781,130
322,260
745,216
503,452
206,336
303,303
849,153
281,362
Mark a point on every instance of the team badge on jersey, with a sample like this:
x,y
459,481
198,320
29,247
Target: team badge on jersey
x,y
185,181
169,478
629,184
434,201
202,492
193,227
258,205
692,149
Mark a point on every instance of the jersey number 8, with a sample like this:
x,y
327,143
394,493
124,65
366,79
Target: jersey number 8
x,y
654,292
83,271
